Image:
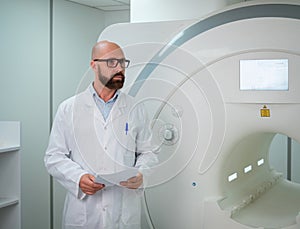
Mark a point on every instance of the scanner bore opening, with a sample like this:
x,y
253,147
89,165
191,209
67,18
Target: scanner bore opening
x,y
256,190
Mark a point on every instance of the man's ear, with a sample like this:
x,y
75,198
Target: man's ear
x,y
93,65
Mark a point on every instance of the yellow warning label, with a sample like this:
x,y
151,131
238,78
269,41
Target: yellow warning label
x,y
265,112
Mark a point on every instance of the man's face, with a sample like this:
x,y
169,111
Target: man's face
x,y
111,74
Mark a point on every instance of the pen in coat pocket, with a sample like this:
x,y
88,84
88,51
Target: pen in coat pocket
x,y
126,128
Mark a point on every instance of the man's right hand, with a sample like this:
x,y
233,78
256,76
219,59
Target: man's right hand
x,y
88,185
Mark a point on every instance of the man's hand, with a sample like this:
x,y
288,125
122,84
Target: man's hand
x,y
88,185
133,182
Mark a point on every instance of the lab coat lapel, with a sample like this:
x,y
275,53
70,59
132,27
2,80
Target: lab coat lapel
x,y
119,124
119,108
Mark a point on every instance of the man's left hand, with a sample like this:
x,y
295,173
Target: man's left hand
x,y
133,182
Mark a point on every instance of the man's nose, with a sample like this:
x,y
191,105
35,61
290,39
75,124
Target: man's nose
x,y
119,67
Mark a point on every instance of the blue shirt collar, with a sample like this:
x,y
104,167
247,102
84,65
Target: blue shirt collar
x,y
96,96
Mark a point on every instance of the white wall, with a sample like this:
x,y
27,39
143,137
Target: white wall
x,y
278,154
114,17
25,84
278,157
24,96
166,10
295,161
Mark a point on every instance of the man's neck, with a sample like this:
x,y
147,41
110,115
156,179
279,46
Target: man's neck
x,y
104,92
107,94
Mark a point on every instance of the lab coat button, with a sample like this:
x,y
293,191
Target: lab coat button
x,y
105,148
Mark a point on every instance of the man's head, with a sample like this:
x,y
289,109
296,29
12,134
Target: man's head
x,y
108,62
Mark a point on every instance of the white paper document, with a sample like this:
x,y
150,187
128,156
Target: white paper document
x,y
116,178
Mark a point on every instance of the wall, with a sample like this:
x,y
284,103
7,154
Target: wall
x,y
157,10
24,96
32,84
295,175
278,157
119,16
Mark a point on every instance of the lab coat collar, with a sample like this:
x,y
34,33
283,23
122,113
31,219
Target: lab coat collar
x,y
117,110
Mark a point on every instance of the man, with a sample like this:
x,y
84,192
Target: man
x,y
100,131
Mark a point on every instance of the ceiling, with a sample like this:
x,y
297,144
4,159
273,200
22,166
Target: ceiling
x,y
106,5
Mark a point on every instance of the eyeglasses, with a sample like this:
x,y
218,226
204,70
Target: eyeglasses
x,y
113,62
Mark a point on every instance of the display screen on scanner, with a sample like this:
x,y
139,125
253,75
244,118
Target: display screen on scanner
x,y
269,74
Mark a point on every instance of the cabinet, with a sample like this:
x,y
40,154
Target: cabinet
x,y
10,180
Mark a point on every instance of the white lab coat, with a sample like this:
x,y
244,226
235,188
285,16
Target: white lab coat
x,y
82,142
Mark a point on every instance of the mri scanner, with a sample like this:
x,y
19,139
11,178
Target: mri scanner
x,y
218,90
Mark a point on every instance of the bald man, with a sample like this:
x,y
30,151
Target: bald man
x,y
101,131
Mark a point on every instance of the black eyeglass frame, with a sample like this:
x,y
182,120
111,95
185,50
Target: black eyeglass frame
x,y
124,63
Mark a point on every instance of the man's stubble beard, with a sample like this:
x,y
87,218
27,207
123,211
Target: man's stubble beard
x,y
112,83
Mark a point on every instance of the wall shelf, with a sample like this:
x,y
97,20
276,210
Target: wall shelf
x,y
10,189
5,202
9,149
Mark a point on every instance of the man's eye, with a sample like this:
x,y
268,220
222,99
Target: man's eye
x,y
112,62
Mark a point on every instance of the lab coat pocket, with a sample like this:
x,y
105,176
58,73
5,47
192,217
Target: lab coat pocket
x,y
75,211
131,210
